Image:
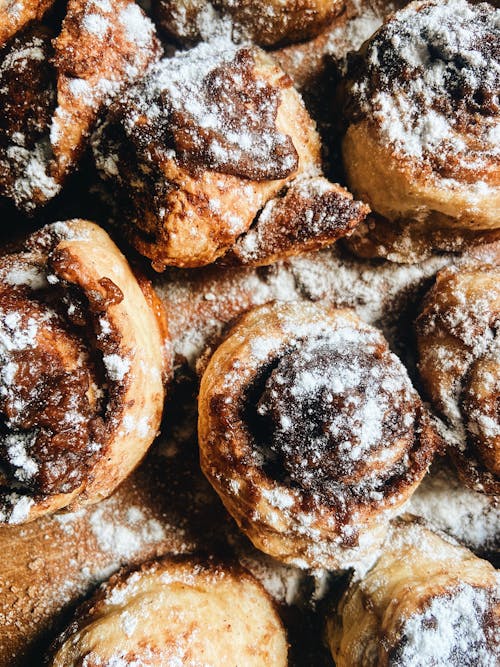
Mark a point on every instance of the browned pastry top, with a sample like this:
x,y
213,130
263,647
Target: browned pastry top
x,y
326,406
428,81
216,115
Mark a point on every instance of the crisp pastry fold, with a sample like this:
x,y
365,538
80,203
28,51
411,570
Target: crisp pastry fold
x,y
83,356
15,14
459,362
311,433
52,89
176,611
422,138
426,601
200,146
262,22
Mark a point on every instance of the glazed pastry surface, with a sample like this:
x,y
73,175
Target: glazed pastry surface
x,y
458,345
177,611
421,145
426,601
311,433
83,362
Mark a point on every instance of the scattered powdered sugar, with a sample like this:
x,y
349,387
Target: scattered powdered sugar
x,y
471,517
96,24
446,52
17,447
117,367
138,29
451,632
124,539
30,169
15,508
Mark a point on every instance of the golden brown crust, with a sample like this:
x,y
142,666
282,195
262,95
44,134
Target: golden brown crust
x,y
311,213
262,22
79,337
14,15
311,433
206,140
420,144
176,609
457,336
70,81
426,601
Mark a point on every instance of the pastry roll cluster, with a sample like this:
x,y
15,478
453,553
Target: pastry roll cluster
x,y
311,433
83,361
427,601
459,363
423,121
53,87
262,22
202,143
176,612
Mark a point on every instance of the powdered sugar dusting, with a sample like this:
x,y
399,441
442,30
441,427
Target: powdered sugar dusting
x,y
452,631
446,52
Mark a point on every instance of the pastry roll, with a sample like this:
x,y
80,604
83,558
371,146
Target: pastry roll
x,y
15,14
83,359
422,139
52,90
202,143
459,363
260,21
176,612
311,433
426,601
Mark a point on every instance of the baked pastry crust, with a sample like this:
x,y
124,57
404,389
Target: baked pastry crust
x,y
14,15
426,601
265,23
177,611
68,82
459,363
84,362
200,145
421,145
311,433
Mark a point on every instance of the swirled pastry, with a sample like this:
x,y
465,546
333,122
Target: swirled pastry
x,y
202,143
264,23
458,335
425,602
176,612
52,90
82,354
15,14
422,142
311,433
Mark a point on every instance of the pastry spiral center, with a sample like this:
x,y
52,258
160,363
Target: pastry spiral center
x,y
337,415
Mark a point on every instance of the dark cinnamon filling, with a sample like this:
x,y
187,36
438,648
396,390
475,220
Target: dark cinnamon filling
x,y
333,420
51,393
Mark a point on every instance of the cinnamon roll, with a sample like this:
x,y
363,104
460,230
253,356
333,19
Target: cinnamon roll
x,y
176,612
422,139
15,14
458,335
52,90
83,357
425,602
264,23
311,433
202,143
